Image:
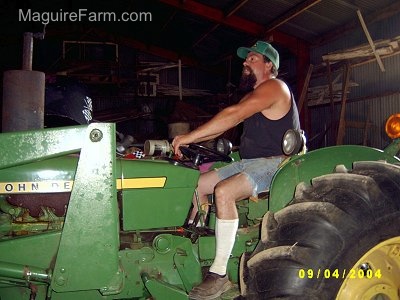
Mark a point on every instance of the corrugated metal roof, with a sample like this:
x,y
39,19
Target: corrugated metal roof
x,y
200,29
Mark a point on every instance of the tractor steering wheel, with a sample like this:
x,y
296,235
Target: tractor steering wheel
x,y
199,154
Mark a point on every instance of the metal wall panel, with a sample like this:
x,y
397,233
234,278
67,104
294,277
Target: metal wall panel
x,y
376,97
377,110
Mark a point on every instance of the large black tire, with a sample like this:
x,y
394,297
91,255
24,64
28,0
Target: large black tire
x,y
330,225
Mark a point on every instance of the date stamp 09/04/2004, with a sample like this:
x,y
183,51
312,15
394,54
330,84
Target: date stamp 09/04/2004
x,y
339,274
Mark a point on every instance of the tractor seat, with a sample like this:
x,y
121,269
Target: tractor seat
x,y
263,195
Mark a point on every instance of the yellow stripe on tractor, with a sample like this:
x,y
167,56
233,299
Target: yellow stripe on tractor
x,y
60,186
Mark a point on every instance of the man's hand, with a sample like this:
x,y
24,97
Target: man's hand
x,y
180,140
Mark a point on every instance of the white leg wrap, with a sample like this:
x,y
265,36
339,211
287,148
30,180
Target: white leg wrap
x,y
225,234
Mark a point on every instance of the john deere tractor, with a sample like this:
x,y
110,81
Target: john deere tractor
x,y
79,222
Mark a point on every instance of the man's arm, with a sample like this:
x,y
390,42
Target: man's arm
x,y
262,98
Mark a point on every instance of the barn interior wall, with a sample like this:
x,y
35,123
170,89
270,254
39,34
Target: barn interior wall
x,y
374,99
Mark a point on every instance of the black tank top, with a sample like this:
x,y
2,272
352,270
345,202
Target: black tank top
x,y
262,137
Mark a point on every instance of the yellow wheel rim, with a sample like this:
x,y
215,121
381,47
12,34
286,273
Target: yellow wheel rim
x,y
376,276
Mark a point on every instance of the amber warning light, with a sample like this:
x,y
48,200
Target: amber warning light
x,y
392,127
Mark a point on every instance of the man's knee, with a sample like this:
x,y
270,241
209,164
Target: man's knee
x,y
223,193
233,189
207,183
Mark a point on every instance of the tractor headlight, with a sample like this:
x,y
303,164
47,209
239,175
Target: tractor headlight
x,y
392,126
293,141
224,146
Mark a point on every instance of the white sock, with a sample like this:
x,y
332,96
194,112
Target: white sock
x,y
225,234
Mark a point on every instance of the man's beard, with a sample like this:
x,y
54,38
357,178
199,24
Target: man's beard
x,y
248,80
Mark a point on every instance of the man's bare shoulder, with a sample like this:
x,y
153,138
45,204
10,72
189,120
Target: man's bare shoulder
x,y
274,88
278,93
274,83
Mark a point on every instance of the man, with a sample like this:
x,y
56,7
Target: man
x,y
267,112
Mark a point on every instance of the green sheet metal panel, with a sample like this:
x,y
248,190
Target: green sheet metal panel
x,y
156,194
91,224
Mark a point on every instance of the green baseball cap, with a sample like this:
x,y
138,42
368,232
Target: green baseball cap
x,y
263,48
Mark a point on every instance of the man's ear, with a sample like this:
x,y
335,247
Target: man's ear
x,y
268,66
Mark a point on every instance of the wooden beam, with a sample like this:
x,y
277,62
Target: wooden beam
x,y
235,22
235,7
366,127
217,16
199,40
342,121
290,14
370,41
338,32
303,95
228,13
332,102
363,52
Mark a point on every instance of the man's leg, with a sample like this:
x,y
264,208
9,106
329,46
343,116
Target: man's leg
x,y
227,192
205,187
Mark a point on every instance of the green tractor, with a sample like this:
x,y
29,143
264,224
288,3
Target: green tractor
x,y
78,222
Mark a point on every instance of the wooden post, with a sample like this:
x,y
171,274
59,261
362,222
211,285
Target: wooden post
x,y
332,103
342,121
303,95
366,128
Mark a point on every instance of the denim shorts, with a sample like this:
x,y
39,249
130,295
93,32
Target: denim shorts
x,y
259,171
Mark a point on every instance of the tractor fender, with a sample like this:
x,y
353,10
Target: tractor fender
x,y
302,168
